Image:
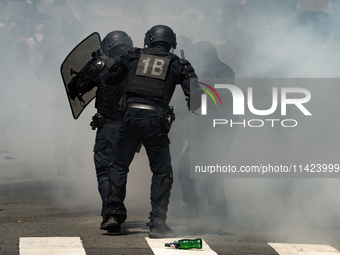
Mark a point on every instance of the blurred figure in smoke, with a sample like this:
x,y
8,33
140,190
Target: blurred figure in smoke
x,y
5,44
314,14
180,134
207,62
181,125
153,73
43,32
208,66
17,31
107,120
13,51
71,32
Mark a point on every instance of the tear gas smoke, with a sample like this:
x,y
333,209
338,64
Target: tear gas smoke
x,y
257,39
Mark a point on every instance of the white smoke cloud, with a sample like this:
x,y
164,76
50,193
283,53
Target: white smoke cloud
x,y
256,39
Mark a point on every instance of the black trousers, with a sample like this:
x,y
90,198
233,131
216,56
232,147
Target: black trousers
x,y
141,126
103,153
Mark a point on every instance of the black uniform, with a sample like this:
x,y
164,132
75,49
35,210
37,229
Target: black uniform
x,y
152,74
207,65
108,119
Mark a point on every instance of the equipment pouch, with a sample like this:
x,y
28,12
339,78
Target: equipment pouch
x,y
167,117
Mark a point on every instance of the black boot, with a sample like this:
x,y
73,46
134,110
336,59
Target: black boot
x,y
112,223
159,229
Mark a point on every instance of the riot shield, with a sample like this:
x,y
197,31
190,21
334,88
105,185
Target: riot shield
x,y
72,64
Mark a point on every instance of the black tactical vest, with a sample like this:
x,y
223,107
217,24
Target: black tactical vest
x,y
108,103
151,77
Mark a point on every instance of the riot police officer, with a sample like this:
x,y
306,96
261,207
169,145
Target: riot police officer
x,y
107,119
207,65
152,74
195,191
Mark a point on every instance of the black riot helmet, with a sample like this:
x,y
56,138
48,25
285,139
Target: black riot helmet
x,y
115,43
205,50
162,34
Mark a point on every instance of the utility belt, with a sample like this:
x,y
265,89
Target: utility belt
x,y
166,116
99,120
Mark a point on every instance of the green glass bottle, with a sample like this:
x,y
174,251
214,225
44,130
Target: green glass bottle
x,y
186,244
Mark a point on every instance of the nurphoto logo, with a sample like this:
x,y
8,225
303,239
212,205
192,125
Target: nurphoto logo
x,y
238,104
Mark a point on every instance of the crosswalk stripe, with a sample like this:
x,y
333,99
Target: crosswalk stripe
x,y
51,246
303,249
157,246
74,246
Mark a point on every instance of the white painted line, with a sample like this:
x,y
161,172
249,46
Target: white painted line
x,y
51,246
303,249
158,248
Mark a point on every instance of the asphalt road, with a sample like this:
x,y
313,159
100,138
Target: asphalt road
x,y
35,202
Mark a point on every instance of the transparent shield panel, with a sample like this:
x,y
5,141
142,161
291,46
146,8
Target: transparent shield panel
x,y
75,61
